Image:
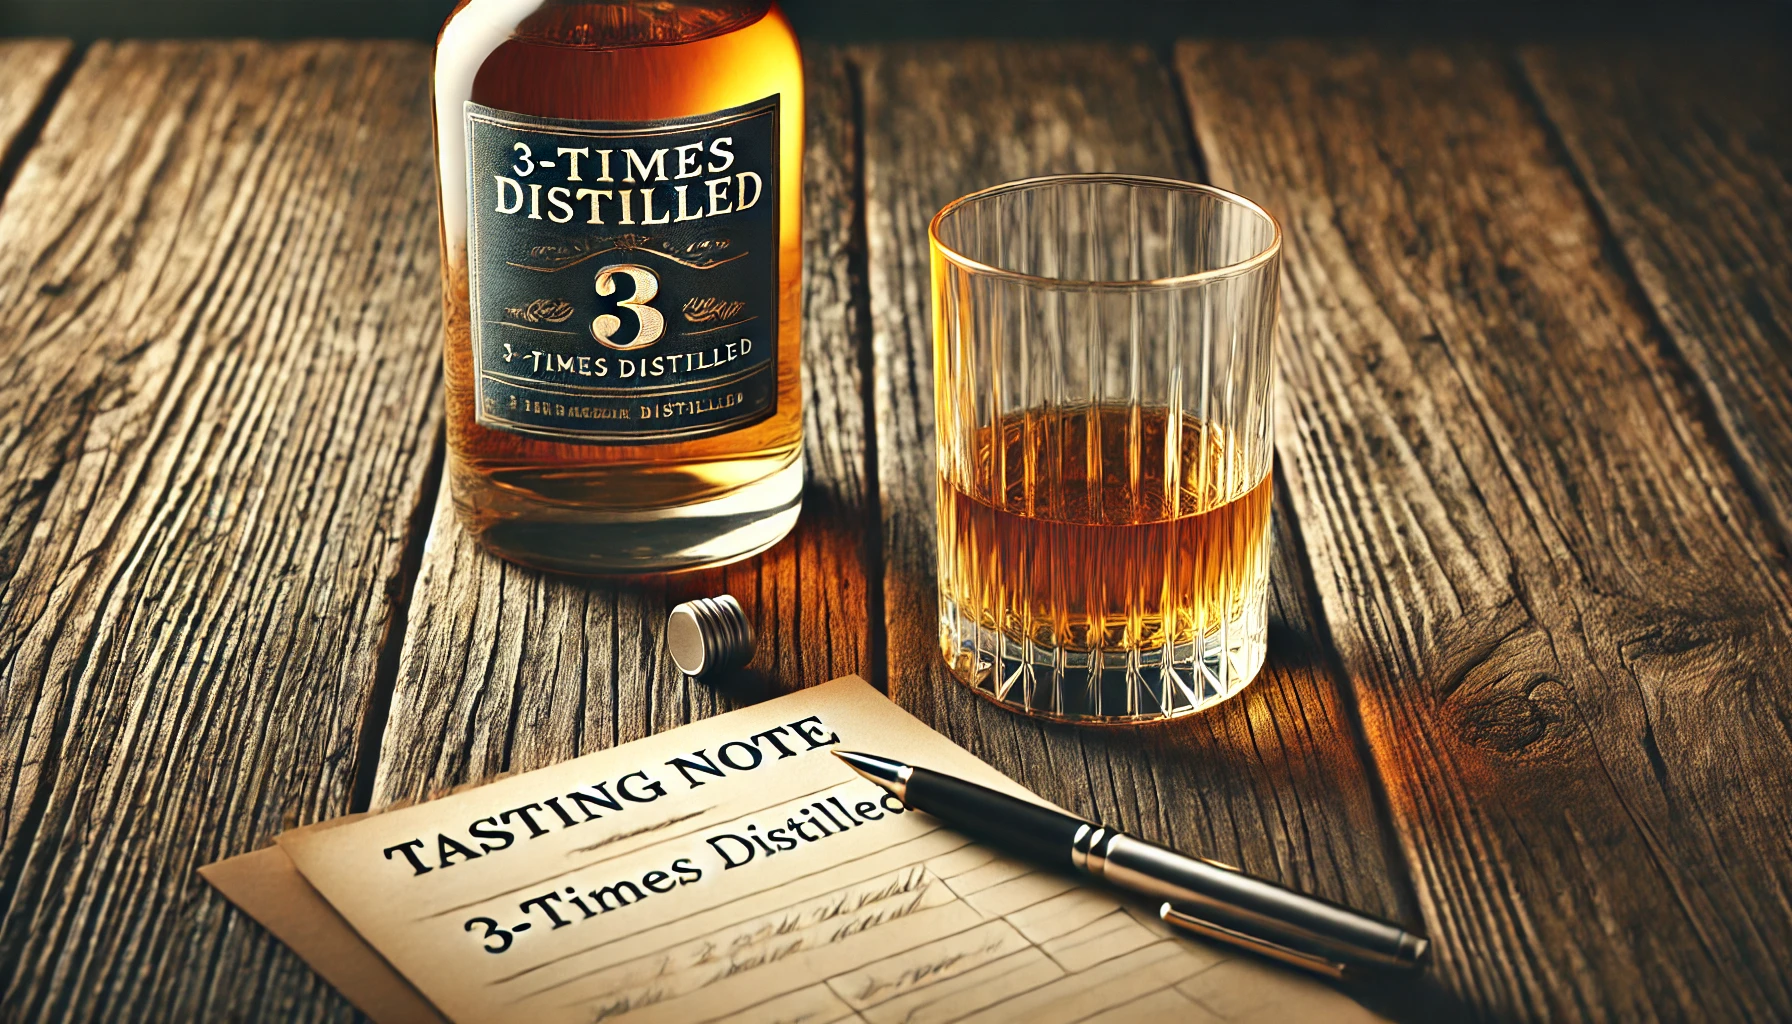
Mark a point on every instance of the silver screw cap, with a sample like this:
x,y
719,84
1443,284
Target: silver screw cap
x,y
708,635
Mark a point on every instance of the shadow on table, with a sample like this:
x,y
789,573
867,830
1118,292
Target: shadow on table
x,y
1423,998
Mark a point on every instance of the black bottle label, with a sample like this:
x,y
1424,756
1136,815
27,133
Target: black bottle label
x,y
624,275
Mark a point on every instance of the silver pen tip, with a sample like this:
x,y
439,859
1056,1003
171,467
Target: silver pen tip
x,y
891,775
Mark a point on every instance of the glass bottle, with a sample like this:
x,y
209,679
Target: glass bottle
x,y
621,188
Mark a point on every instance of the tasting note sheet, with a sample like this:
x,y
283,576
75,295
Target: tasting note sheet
x,y
734,870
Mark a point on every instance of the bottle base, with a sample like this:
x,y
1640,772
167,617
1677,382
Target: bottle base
x,y
603,542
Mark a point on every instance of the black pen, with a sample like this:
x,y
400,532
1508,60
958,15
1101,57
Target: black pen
x,y
1199,896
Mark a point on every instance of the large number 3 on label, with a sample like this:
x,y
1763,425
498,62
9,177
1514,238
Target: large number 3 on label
x,y
649,323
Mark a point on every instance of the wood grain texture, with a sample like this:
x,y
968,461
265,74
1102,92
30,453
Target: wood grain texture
x,y
506,669
218,312
1567,627
28,69
1272,780
1687,151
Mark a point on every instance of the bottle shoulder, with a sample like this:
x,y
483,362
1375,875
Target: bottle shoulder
x,y
601,24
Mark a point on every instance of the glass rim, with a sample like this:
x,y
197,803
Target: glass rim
x,y
1244,266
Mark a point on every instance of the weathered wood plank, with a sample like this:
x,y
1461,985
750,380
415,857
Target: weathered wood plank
x,y
218,313
1687,150
1273,780
506,669
28,68
1566,625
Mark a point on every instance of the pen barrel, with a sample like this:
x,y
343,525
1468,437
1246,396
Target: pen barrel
x,y
1017,826
1249,906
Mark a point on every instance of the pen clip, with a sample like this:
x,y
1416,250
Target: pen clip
x,y
1185,919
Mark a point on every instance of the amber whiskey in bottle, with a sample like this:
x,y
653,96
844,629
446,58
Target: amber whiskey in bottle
x,y
621,188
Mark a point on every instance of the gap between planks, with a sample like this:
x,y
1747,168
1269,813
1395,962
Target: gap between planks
x,y
31,127
1400,874
877,654
385,680
1394,996
1705,344
1710,415
26,131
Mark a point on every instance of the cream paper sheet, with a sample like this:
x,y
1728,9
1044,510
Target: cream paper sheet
x,y
733,870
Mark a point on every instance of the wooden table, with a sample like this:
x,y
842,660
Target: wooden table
x,y
1528,684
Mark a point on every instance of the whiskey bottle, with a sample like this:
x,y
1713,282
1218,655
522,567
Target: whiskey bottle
x,y
621,189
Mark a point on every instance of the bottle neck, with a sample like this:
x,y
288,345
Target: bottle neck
x,y
618,23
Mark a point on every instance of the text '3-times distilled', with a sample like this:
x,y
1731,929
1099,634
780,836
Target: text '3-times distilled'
x,y
621,190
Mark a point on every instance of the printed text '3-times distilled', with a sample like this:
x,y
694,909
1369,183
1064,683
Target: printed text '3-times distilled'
x,y
621,189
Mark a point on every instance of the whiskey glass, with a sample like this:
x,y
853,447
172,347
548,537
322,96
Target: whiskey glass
x,y
1104,360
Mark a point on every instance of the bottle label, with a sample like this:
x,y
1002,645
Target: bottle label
x,y
624,275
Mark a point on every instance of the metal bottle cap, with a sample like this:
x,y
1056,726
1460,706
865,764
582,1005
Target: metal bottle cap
x,y
708,635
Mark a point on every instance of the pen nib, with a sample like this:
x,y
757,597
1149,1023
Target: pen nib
x,y
891,775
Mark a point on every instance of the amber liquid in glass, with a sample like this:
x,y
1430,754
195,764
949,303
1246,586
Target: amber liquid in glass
x,y
535,501
1092,547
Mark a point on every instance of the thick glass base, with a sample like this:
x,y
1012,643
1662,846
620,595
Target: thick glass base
x,y
1105,687
613,542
